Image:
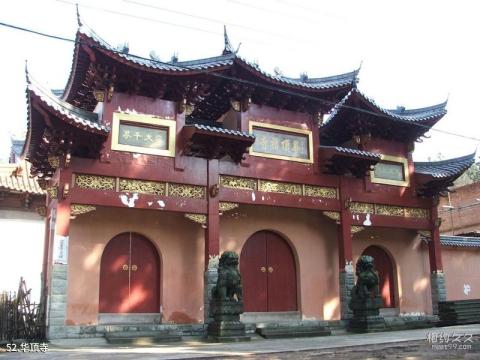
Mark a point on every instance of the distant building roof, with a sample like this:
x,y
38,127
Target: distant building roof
x,y
16,177
459,241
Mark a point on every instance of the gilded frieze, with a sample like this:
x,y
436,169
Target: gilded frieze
x,y
320,191
143,187
389,210
279,187
54,161
186,191
94,182
416,213
241,183
361,208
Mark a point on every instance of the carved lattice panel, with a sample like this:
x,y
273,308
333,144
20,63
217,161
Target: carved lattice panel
x,y
361,208
94,182
186,191
389,210
416,213
280,187
320,191
235,182
143,187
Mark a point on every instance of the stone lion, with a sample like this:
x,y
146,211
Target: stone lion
x,y
229,283
367,279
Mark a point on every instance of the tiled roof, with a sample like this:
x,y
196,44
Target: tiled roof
x,y
412,115
344,150
460,241
220,130
227,60
445,168
16,177
79,117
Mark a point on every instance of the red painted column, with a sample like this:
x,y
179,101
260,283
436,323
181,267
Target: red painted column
x,y
212,232
346,274
344,228
434,246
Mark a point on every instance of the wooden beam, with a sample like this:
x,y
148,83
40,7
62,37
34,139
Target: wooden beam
x,y
140,201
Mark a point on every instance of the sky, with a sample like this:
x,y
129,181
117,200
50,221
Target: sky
x,y
413,53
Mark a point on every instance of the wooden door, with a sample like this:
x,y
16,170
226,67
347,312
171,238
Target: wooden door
x,y
384,267
129,276
268,273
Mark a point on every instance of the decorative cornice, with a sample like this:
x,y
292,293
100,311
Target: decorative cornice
x,y
78,209
198,218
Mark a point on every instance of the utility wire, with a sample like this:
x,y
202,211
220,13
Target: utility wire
x,y
240,26
243,81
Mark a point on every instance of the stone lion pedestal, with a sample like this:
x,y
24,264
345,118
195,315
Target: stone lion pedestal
x,y
226,326
226,304
366,300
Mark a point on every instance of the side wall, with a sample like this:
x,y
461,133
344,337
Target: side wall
x,y
462,278
410,262
180,245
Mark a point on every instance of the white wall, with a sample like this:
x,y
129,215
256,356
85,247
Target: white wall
x,y
21,250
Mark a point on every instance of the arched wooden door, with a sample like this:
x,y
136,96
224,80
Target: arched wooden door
x,y
129,276
384,267
268,273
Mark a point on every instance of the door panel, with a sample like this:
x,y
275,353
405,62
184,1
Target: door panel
x,y
384,267
282,279
129,276
114,286
252,262
145,284
268,273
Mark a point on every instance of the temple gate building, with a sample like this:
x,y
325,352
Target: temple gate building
x,y
153,169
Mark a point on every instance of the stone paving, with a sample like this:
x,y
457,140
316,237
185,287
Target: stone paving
x,y
411,344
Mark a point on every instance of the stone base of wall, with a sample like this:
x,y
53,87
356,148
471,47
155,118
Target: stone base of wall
x,y
99,331
346,280
57,302
437,284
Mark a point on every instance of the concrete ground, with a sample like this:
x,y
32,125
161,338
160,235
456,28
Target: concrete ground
x,y
410,344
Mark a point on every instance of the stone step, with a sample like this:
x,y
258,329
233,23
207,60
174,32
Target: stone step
x,y
267,317
141,337
459,312
277,331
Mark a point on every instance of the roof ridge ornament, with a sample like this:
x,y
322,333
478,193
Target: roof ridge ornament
x,y
228,47
79,20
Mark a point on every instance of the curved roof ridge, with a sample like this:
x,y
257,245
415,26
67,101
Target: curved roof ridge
x,y
77,115
402,110
447,161
351,75
420,114
449,168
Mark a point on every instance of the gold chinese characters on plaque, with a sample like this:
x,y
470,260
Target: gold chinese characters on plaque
x,y
146,134
281,142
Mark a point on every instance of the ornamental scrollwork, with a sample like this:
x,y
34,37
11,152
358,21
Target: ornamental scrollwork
x,y
143,187
320,191
235,182
198,218
389,210
54,161
186,191
361,208
94,182
334,215
355,229
280,187
52,192
416,213
227,206
78,209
